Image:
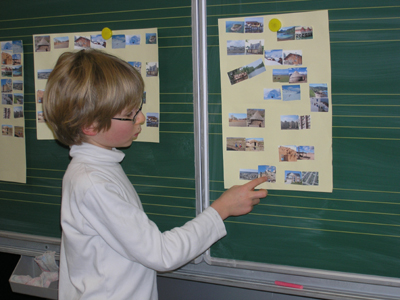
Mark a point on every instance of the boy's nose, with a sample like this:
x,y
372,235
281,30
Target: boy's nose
x,y
140,118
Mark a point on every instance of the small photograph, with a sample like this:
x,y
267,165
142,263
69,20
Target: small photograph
x,y
235,144
42,43
256,118
255,144
234,26
293,177
144,97
18,112
151,38
248,174
16,59
18,85
272,94
237,120
18,98
236,47
152,119
151,69
41,118
6,130
44,74
287,153
19,131
97,42
305,122
256,68
6,85
297,75
267,171
7,99
305,153
17,47
293,57
118,41
286,34
81,42
273,57
137,65
280,75
61,42
290,122
310,178
291,92
254,25
6,71
39,96
254,47
253,69
6,58
6,46
6,113
304,33
17,71
318,90
319,104
133,39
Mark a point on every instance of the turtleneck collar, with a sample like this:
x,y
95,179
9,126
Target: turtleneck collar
x,y
89,153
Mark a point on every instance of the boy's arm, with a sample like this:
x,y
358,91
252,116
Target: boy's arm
x,y
239,199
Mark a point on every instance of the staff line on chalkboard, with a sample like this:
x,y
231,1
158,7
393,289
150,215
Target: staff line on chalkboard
x,y
165,205
330,199
167,215
337,199
96,13
159,177
315,229
30,193
268,2
364,138
331,209
167,196
32,202
326,220
165,187
364,41
365,127
94,22
251,3
357,30
40,186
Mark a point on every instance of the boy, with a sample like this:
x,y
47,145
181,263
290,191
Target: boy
x,y
110,249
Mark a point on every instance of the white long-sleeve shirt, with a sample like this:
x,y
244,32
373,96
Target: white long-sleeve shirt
x,y
110,249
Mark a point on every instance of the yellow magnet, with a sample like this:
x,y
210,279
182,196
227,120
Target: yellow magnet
x,y
106,33
274,25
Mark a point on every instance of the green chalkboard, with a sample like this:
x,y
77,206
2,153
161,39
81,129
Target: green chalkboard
x,y
355,229
164,173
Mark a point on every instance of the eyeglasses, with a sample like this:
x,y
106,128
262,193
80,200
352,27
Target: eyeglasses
x,y
134,117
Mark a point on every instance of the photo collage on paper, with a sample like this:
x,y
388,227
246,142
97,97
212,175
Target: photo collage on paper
x,y
289,74
117,43
12,90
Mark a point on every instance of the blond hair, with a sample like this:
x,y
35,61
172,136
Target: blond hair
x,y
88,88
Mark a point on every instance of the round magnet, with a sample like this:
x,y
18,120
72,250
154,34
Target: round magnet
x,y
274,25
106,33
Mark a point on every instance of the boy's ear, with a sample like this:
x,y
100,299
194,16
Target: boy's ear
x,y
90,130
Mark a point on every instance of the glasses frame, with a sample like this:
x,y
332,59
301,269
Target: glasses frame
x,y
134,117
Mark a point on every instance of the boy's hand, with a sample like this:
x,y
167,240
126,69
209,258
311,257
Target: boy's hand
x,y
239,199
